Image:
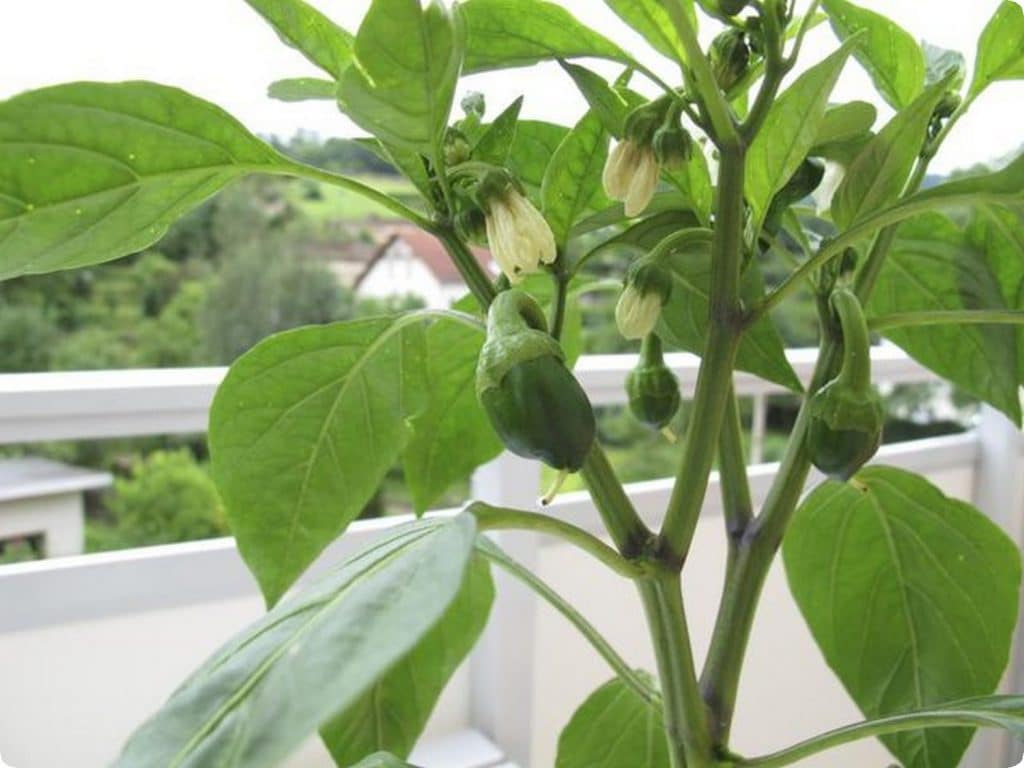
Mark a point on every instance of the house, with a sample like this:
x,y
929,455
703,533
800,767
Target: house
x,y
411,262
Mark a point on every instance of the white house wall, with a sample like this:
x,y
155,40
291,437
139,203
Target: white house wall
x,y
399,273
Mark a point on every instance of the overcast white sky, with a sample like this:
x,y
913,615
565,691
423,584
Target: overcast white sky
x,y
221,50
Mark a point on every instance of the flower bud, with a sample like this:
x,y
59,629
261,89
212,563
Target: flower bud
x,y
730,57
520,239
456,147
631,175
648,288
673,146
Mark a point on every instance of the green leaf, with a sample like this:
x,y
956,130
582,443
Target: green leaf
x,y
496,142
408,62
519,33
452,436
684,321
932,267
1001,48
651,20
302,431
1003,188
303,89
90,172
845,122
605,101
306,29
790,130
392,714
573,177
272,686
880,172
693,180
534,144
614,727
911,596
889,53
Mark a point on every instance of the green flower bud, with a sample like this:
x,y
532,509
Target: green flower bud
x,y
648,287
652,388
673,146
535,404
730,57
456,147
473,103
846,415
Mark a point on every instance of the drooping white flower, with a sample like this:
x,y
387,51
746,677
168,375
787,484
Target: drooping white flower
x,y
631,175
822,196
519,237
647,290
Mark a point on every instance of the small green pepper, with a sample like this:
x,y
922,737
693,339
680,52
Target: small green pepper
x,y
846,415
535,404
653,389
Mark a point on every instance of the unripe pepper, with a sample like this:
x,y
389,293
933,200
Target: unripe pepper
x,y
653,389
535,404
648,287
846,415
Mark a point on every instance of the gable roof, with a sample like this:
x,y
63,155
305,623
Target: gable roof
x,y
429,250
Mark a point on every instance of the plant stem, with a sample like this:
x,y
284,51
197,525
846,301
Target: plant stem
x,y
629,534
732,462
712,391
490,518
469,268
944,317
585,628
684,711
561,280
911,721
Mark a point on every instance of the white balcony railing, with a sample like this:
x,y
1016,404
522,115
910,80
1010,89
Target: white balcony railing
x,y
89,645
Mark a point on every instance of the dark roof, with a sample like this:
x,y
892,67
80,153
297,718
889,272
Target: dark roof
x,y
427,249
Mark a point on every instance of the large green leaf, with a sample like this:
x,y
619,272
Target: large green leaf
x,y
693,180
1003,188
932,267
408,61
605,101
912,597
495,142
1001,48
573,177
452,436
314,655
90,172
650,19
518,33
880,172
302,431
303,27
790,130
845,122
392,714
614,728
888,52
534,145
303,89
684,321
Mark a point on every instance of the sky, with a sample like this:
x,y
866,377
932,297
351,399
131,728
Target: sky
x,y
222,51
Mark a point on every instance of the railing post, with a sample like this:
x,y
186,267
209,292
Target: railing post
x,y
999,493
501,672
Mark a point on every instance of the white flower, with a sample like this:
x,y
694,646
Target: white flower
x,y
519,238
631,175
637,313
826,190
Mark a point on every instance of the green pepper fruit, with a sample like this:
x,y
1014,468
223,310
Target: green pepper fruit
x,y
730,57
846,415
653,389
533,401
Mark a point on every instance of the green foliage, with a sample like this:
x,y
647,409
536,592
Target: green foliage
x,y
167,498
27,338
304,28
572,179
650,19
1001,48
912,597
330,642
614,727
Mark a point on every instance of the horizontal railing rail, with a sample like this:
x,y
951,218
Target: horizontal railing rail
x,y
81,405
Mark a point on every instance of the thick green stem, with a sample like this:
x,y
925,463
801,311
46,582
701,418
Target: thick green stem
x,y
490,518
712,392
732,462
685,715
629,534
469,268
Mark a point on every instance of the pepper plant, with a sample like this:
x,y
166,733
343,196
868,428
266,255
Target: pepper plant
x,y
698,183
